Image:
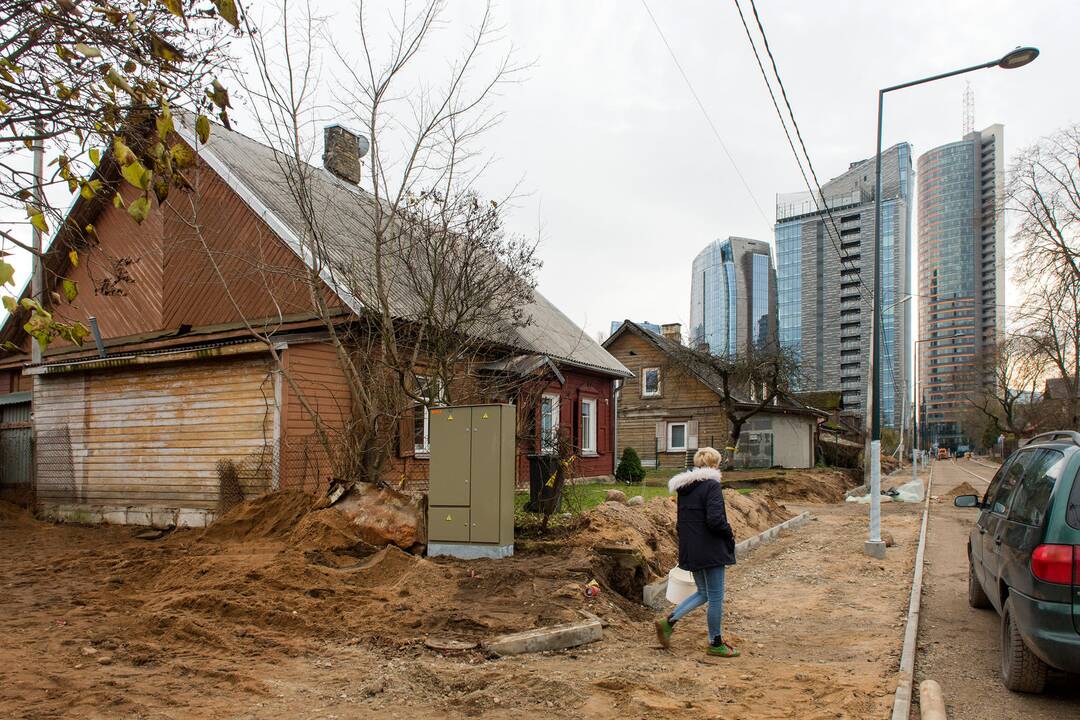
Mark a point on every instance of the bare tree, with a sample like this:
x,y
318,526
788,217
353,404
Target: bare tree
x,y
433,285
746,383
1006,382
1044,192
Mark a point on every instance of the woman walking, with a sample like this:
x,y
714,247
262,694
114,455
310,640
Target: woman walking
x,y
706,547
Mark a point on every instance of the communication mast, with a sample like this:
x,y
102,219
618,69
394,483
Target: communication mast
x,y
969,109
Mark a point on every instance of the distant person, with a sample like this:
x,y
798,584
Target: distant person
x,y
706,547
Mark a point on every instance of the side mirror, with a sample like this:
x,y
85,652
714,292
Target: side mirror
x,y
966,501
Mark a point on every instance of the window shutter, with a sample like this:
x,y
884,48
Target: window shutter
x,y
603,410
406,438
692,435
661,436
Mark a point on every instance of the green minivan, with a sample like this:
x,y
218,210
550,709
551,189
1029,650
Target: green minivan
x,y
1024,558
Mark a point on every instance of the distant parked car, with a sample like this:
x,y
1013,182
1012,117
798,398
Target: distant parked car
x,y
1024,558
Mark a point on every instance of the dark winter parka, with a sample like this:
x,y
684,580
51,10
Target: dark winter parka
x,y
706,539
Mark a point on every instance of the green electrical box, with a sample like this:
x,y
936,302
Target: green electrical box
x,y
471,480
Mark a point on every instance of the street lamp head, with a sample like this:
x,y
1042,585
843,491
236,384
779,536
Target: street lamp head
x,y
1019,57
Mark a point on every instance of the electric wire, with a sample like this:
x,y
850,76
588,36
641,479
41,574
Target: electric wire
x,y
701,106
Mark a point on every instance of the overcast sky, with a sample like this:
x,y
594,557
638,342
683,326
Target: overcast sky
x,y
623,173
620,170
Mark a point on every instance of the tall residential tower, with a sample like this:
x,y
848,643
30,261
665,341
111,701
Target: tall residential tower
x,y
961,275
733,296
825,279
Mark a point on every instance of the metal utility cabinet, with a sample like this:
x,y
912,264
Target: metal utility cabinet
x,y
471,481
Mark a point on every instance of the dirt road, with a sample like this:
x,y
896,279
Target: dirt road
x,y
958,645
99,625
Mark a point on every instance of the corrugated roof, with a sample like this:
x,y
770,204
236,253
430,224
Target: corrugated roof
x,y
257,173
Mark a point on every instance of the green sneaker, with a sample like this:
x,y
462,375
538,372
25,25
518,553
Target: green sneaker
x,y
663,632
722,650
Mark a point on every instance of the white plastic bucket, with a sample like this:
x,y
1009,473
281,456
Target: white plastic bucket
x,y
680,585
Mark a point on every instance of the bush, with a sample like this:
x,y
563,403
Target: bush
x,y
630,470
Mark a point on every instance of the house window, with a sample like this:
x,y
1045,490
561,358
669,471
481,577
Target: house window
x,y
650,382
549,423
431,390
676,437
588,427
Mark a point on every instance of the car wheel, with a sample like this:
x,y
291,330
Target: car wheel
x,y
976,596
1021,670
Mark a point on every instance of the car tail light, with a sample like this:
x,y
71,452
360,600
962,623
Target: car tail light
x,y
1055,563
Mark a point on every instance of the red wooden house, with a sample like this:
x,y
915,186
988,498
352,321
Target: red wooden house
x,y
133,432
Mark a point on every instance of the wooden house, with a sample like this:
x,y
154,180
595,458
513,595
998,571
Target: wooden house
x,y
670,409
133,431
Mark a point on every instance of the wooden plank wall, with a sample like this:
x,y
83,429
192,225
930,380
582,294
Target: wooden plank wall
x,y
316,370
152,436
683,397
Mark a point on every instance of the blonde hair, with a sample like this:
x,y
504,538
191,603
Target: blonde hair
x,y
707,457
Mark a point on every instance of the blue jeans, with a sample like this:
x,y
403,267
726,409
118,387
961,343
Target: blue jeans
x,y
710,589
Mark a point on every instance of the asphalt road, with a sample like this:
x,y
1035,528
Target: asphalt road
x,y
958,645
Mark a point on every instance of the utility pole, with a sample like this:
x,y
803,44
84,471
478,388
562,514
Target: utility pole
x,y
874,545
36,283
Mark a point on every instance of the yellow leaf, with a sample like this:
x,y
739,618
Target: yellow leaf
x,y
227,10
38,221
9,304
7,274
138,175
88,51
139,209
202,128
182,155
73,256
4,107
123,153
95,156
164,124
87,191
176,7
71,290
118,201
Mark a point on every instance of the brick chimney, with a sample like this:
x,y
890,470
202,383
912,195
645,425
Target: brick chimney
x,y
342,150
672,331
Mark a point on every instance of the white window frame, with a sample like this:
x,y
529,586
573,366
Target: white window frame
x,y
644,382
438,399
588,439
686,436
549,444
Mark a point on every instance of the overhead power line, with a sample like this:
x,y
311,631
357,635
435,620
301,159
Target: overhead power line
x,y
701,106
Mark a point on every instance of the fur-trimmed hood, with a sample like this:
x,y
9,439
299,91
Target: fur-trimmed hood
x,y
690,477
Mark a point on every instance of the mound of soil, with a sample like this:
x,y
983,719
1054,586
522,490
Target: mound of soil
x,y
270,516
962,489
13,516
818,485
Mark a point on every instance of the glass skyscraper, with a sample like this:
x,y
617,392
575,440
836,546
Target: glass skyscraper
x,y
961,244
732,296
824,280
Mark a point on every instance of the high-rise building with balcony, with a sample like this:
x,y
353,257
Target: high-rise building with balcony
x,y
733,296
825,279
961,276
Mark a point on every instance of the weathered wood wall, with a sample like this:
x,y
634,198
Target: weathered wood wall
x,y
682,397
153,435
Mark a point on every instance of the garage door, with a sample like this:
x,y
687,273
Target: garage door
x,y
153,436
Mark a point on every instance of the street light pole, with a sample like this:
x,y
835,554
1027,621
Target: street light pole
x,y
874,545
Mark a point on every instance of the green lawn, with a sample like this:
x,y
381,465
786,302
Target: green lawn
x,y
579,498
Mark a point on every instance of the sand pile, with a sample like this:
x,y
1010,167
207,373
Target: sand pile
x,y
751,514
269,516
962,489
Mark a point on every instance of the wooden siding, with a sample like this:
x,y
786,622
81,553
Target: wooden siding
x,y
682,397
316,370
152,436
265,278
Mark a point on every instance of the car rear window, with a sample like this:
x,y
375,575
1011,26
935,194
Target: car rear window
x,y
1072,514
1031,499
